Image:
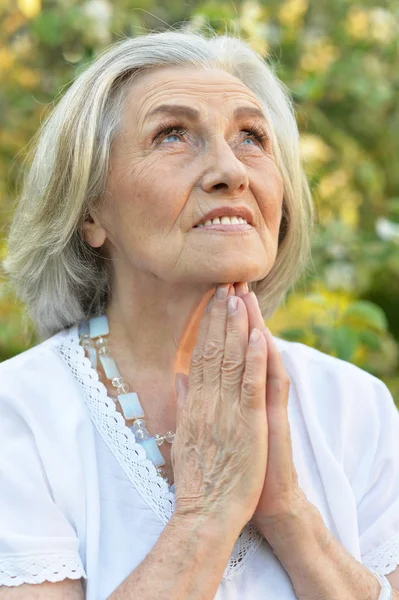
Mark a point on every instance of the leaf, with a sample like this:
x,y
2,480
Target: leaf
x,y
370,339
363,314
345,340
293,334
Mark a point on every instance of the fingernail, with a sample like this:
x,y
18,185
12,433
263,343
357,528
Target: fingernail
x,y
255,335
246,289
232,305
222,291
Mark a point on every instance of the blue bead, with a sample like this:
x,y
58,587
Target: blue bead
x,y
98,326
131,406
92,352
153,453
84,328
109,366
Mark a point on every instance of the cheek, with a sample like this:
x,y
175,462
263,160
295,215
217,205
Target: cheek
x,y
160,194
140,187
269,191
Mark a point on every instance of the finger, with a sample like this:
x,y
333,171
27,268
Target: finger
x,y
255,318
213,349
276,374
235,349
241,289
254,378
195,378
280,457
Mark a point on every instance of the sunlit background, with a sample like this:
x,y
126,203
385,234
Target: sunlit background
x,y
340,58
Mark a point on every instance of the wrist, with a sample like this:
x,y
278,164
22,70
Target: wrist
x,y
209,528
299,528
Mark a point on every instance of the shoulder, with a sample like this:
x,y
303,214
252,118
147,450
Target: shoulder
x,y
34,357
38,380
343,408
322,370
337,393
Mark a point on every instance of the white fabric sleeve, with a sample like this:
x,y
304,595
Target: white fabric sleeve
x,y
37,543
378,505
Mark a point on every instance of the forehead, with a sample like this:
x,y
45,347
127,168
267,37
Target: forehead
x,y
205,88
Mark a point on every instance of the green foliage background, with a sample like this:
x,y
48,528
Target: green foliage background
x,y
340,60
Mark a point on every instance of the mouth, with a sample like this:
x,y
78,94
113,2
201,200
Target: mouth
x,y
226,215
225,227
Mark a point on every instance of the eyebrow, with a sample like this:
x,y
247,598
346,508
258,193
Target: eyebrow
x,y
194,115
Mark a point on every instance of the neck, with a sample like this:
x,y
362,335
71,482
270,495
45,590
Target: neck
x,y
153,329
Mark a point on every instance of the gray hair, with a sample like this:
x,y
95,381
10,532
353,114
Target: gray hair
x,y
55,272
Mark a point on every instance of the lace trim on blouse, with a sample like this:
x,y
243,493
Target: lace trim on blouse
x,y
29,568
385,558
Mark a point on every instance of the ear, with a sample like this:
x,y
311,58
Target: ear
x,y
93,231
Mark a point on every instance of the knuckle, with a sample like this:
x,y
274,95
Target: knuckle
x,y
250,387
196,358
212,351
280,385
231,376
231,365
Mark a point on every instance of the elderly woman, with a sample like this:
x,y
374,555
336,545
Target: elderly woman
x,y
165,185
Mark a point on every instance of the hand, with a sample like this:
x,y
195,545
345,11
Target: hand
x,y
281,494
220,450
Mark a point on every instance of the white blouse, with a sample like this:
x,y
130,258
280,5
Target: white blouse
x,y
79,498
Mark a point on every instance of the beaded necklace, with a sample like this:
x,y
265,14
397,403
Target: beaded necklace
x,y
93,338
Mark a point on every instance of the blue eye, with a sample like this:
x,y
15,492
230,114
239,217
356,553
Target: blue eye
x,y
171,135
256,135
168,133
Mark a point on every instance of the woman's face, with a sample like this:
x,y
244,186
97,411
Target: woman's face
x,y
192,140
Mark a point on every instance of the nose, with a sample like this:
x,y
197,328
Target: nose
x,y
225,171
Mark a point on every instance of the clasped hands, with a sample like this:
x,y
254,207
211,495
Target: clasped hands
x,y
281,496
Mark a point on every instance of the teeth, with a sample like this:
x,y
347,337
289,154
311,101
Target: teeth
x,y
224,221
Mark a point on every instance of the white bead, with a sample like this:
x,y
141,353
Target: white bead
x,y
85,340
117,381
138,424
141,435
159,439
170,437
123,389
